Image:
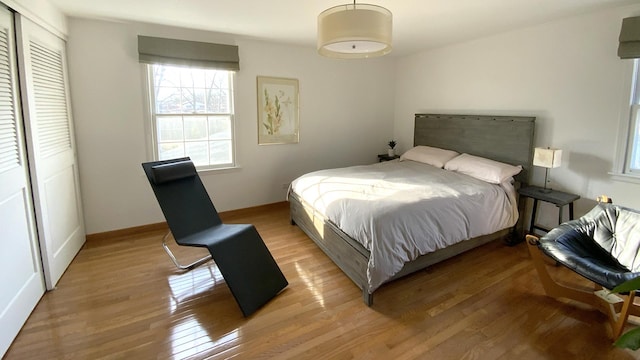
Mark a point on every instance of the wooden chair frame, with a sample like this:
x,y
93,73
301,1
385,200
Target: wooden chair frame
x,y
617,307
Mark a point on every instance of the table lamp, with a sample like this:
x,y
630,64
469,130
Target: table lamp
x,y
547,158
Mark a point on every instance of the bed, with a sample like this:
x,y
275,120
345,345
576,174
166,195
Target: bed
x,y
507,139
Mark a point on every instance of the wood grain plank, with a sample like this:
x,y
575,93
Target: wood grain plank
x,y
122,298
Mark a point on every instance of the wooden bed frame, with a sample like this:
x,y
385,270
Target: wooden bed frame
x,y
507,139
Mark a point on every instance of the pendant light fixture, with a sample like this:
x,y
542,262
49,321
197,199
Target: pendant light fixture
x,y
354,31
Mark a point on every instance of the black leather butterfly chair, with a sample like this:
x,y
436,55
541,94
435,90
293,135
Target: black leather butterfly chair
x,y
602,246
237,249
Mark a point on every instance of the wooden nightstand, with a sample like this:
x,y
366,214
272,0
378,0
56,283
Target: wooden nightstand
x,y
386,157
558,198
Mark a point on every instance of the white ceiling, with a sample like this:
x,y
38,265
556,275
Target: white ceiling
x,y
417,24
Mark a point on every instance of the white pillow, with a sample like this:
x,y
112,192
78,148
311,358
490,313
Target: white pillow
x,y
483,169
429,155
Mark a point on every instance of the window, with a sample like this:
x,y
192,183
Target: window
x,y
192,114
627,161
632,159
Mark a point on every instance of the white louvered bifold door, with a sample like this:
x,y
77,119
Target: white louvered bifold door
x,y
22,283
51,146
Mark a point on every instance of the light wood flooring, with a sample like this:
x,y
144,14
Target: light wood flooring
x,y
121,298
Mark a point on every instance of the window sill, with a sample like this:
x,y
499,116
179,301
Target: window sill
x,y
224,170
635,179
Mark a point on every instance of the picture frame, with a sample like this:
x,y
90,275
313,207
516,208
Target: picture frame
x,y
278,110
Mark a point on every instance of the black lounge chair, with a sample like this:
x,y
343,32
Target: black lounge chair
x,y
237,249
603,246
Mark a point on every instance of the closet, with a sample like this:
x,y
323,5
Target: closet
x,y
41,223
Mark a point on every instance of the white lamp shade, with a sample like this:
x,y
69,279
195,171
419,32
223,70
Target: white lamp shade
x,y
548,158
354,31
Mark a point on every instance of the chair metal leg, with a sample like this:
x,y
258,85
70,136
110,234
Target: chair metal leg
x,y
189,267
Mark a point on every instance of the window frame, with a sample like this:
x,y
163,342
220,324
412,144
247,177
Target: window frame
x,y
152,117
624,143
633,140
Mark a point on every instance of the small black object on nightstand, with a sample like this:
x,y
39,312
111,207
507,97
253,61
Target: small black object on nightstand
x,y
558,198
386,157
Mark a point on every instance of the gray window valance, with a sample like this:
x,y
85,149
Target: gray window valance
x,y
153,50
629,47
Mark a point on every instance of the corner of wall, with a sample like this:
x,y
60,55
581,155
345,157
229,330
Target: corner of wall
x,y
43,13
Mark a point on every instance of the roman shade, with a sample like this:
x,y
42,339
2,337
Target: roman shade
x,y
629,47
154,50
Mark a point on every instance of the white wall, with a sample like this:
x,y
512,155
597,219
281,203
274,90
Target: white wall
x,y
566,73
346,112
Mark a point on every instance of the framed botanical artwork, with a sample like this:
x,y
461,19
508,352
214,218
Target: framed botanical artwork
x,y
277,111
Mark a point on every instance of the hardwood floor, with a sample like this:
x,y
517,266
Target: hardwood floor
x,y
122,298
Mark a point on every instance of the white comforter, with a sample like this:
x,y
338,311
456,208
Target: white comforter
x,y
401,210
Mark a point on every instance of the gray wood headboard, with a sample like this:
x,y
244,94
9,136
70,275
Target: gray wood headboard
x,y
507,139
